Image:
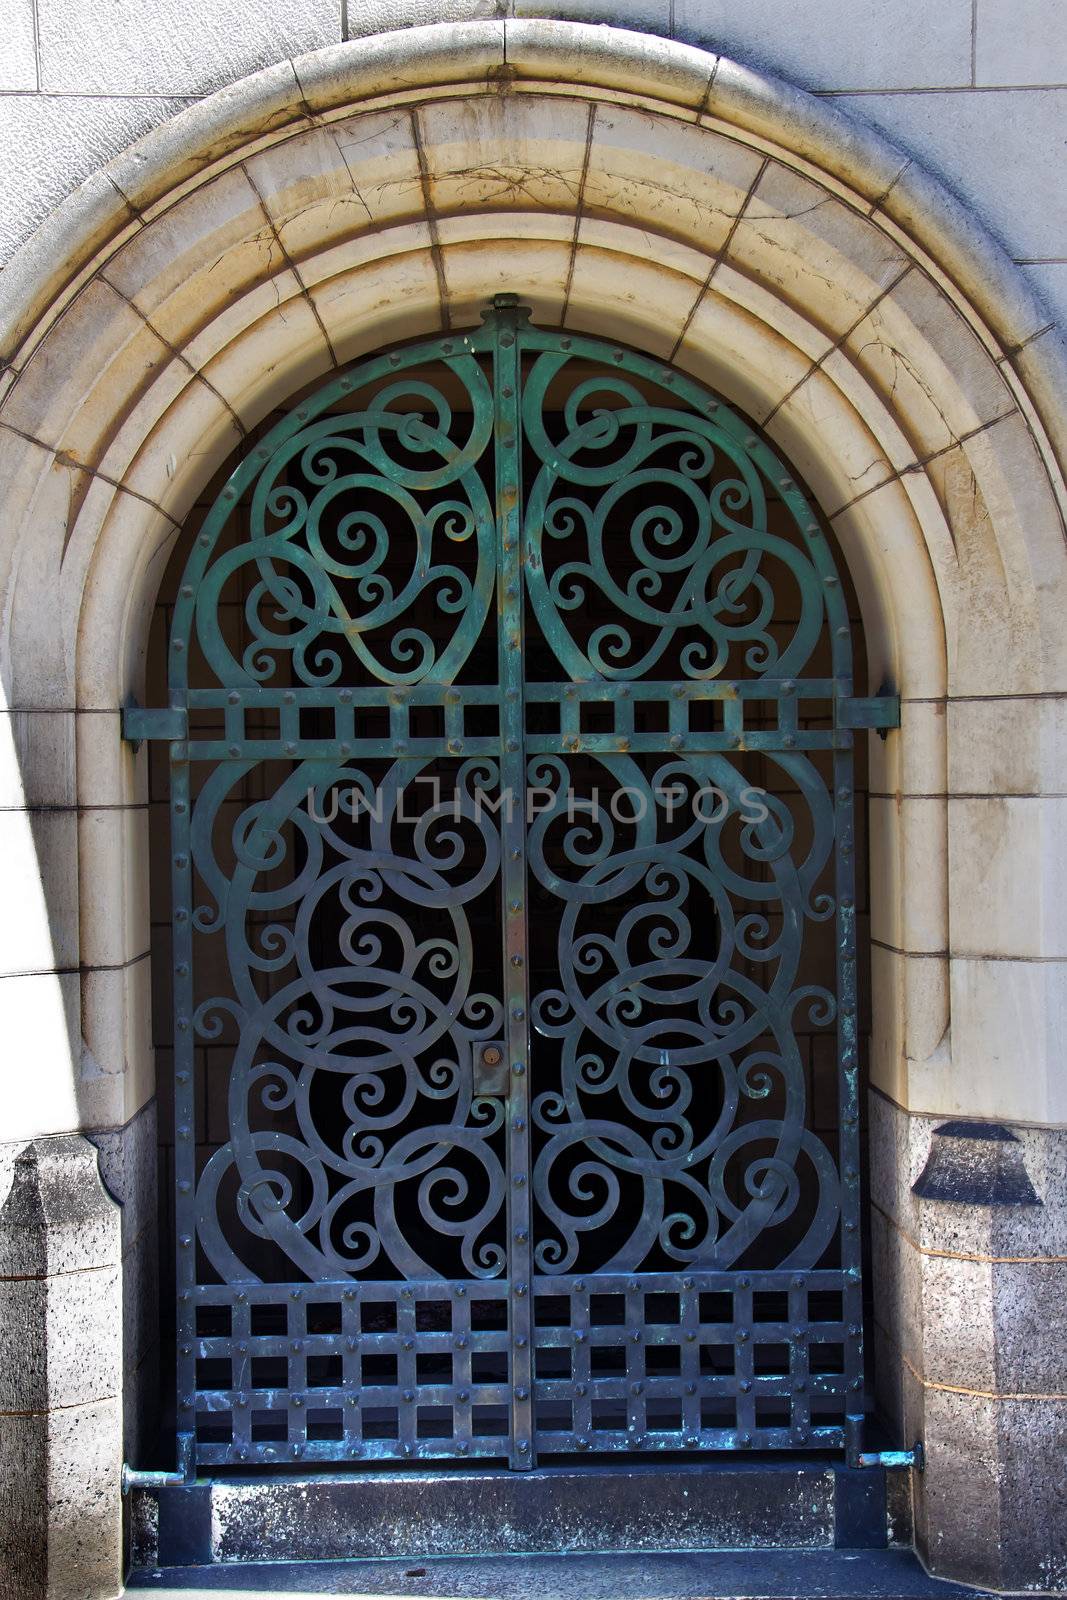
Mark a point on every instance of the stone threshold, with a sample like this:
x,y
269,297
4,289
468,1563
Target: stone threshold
x,y
420,1513
681,1575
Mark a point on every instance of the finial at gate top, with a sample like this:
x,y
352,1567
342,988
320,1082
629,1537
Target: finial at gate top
x,y
507,302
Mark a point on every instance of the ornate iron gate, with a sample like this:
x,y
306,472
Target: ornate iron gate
x,y
502,815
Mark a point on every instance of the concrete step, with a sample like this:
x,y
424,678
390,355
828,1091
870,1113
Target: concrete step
x,y
714,1505
749,1575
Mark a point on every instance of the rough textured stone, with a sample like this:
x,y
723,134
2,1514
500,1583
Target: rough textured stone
x,y
1050,281
1024,42
975,1163
18,59
52,142
36,759
979,143
158,47
969,1303
60,1374
839,45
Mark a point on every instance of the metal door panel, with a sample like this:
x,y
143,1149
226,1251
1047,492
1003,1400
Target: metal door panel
x,y
518,1153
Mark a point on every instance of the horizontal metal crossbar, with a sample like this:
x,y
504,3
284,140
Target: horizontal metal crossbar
x,y
529,1132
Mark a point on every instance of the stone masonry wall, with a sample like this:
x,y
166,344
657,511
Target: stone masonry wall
x,y
975,89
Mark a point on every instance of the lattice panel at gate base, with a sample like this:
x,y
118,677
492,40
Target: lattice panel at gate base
x,y
716,1360
332,1371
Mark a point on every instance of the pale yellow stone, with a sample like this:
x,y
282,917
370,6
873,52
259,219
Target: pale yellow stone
x,y
335,181
112,864
1006,855
117,1062
929,368
836,448
1005,616
389,299
910,1041
734,352
909,873
675,177
473,276
823,258
512,152
212,246
888,555
618,297
270,360
1008,746
78,386
913,761
1009,1020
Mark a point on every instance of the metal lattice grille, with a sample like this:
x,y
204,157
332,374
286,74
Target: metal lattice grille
x,y
520,1155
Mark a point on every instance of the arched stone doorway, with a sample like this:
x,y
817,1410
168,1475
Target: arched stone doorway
x,y
515,1029
819,282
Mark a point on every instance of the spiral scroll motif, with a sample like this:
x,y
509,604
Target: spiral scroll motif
x,y
351,1114
473,1089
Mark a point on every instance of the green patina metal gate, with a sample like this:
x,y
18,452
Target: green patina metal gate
x,y
502,815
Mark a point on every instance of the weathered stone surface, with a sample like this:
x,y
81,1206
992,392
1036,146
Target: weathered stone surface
x,y
56,1216
1024,42
168,48
18,59
52,142
36,759
977,1164
969,1300
978,142
839,46
61,1350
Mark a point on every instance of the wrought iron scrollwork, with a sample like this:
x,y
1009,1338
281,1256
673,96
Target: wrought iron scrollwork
x,y
510,1145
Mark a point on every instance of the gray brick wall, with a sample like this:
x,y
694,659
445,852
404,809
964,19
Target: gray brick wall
x,y
976,89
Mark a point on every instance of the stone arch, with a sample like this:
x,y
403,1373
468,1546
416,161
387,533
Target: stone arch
x,y
628,187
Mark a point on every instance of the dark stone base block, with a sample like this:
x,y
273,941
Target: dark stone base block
x,y
706,1506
